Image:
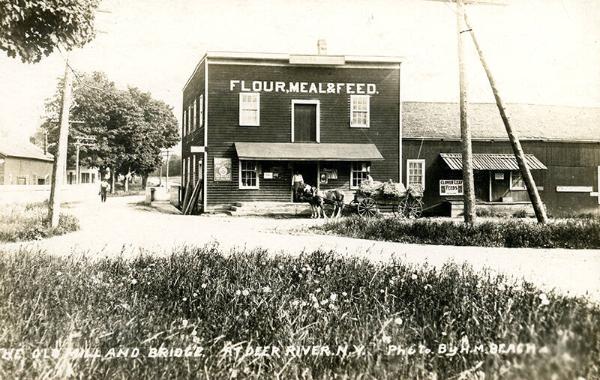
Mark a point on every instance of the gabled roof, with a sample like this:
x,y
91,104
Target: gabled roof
x,y
23,150
532,122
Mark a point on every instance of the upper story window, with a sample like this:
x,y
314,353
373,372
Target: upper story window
x,y
194,115
415,174
248,175
184,123
200,111
358,173
249,108
190,118
359,111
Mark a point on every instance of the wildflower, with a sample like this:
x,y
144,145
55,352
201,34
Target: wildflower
x,y
246,314
195,294
59,273
324,302
391,281
295,303
427,286
544,301
194,333
318,290
414,276
300,276
245,292
303,303
381,291
398,321
327,268
266,289
280,267
203,286
184,299
344,294
184,323
195,339
238,292
133,282
332,306
386,339
316,305
333,297
501,287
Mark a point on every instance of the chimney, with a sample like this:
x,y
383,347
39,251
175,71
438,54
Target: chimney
x,y
322,47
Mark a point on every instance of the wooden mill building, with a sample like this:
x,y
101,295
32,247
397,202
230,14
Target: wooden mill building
x,y
250,121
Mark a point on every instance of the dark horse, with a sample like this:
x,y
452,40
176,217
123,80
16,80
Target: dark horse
x,y
318,198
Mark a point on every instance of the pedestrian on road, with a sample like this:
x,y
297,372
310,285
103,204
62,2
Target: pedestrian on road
x,y
104,188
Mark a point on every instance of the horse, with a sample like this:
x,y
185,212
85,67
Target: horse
x,y
317,198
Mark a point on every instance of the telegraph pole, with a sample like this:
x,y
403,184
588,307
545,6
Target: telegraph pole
x,y
536,201
60,159
465,131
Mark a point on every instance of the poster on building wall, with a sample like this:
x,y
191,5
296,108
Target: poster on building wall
x,y
222,169
451,187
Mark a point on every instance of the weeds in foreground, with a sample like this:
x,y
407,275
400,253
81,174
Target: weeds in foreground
x,y
229,305
21,222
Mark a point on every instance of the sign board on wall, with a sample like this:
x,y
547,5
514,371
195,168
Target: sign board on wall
x,y
222,169
451,187
499,176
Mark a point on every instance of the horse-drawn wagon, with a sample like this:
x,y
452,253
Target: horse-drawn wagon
x,y
373,197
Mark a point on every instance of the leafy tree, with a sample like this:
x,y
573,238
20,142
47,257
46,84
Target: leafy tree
x,y
131,128
32,29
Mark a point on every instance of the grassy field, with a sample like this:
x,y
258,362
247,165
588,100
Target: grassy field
x,y
581,233
20,222
215,304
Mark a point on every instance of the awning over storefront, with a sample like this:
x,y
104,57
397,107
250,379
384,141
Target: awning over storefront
x,y
492,161
307,152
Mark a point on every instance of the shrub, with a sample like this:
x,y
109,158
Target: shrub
x,y
201,296
572,233
30,222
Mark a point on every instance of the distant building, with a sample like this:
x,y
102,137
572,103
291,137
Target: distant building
x,y
22,163
87,175
562,145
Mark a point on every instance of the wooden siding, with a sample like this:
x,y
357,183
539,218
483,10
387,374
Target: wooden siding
x,y
569,164
191,92
275,122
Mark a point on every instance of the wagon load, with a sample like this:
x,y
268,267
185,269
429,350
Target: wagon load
x,y
372,196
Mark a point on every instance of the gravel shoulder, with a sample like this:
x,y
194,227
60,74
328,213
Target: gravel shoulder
x,y
122,226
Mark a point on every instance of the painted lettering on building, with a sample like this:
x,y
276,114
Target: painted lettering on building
x,y
303,87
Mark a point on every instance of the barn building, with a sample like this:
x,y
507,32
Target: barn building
x,y
562,146
250,121
23,163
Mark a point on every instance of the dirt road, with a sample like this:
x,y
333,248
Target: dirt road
x,y
123,226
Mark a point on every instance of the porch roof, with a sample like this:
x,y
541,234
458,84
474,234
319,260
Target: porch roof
x,y
492,161
307,152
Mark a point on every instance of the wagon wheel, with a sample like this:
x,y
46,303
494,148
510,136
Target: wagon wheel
x,y
367,207
410,207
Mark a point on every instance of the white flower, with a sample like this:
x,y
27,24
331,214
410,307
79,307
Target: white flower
x,y
332,306
266,289
246,314
238,292
386,339
203,286
318,290
194,333
344,294
501,287
333,297
427,287
184,299
324,302
414,276
195,294
245,292
398,321
544,299
295,303
133,282
184,323
381,291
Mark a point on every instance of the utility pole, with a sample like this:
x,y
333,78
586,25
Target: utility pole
x,y
536,201
465,131
60,159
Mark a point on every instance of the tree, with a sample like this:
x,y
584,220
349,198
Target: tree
x,y
130,126
32,29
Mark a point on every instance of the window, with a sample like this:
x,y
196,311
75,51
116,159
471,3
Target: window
x,y
194,178
194,115
189,118
200,111
358,173
516,181
184,123
415,174
249,109
248,175
359,111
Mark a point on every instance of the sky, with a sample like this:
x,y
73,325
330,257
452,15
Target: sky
x,y
541,51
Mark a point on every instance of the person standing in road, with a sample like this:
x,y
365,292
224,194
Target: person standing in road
x,y
104,188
